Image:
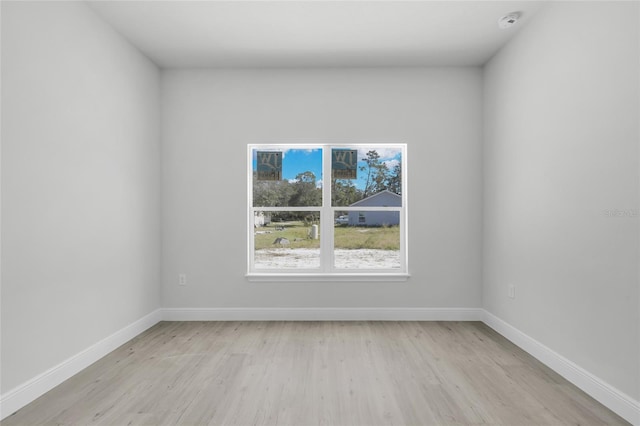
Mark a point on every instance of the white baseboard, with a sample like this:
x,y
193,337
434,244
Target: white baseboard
x,y
27,392
617,401
321,314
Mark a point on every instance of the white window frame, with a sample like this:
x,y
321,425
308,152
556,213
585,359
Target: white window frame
x,y
327,272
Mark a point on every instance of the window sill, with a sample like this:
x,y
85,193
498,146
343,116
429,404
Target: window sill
x,y
311,277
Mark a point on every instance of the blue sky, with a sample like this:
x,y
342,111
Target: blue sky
x,y
297,161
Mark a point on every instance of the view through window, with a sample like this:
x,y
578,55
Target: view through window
x,y
327,209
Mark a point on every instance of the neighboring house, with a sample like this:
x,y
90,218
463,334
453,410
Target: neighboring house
x,y
261,219
381,199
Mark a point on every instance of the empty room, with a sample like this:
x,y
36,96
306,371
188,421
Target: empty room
x,y
320,212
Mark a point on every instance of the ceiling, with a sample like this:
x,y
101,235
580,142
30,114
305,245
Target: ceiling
x,y
316,33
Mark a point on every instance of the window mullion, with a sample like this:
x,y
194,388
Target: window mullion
x,y
326,230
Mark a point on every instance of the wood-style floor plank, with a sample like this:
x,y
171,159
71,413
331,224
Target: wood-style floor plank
x,y
316,373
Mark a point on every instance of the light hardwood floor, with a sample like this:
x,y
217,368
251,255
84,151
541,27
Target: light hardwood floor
x,y
316,373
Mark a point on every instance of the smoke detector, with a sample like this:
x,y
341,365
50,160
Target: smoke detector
x,y
508,21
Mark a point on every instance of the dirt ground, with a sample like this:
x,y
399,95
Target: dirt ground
x,y
278,258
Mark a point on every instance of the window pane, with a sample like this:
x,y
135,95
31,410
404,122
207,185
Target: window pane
x,y
287,177
369,240
378,169
287,240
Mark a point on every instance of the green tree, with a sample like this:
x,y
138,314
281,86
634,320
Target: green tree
x,y
380,178
305,191
394,180
344,192
377,174
271,193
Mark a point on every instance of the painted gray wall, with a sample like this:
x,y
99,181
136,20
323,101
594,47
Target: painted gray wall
x,y
209,117
80,185
561,149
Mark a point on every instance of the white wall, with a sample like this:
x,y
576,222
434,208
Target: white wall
x,y
80,185
561,148
210,116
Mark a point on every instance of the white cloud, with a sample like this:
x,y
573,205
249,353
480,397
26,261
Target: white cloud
x,y
384,153
319,183
391,164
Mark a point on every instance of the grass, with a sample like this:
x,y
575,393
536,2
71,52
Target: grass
x,y
359,237
296,232
346,237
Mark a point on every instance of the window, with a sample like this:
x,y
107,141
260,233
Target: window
x,y
327,211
